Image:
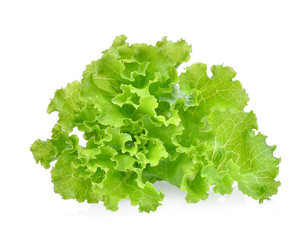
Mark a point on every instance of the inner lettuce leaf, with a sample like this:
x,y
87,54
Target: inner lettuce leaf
x,y
143,122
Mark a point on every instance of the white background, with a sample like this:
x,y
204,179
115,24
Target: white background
x,y
46,44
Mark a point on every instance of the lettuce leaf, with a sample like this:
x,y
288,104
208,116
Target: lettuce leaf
x,y
143,123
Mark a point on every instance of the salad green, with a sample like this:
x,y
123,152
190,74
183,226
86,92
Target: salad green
x,y
145,123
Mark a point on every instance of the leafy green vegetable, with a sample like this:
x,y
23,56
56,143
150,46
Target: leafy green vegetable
x,y
143,123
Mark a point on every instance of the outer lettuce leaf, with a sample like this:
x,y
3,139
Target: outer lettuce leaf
x,y
120,185
224,129
68,103
219,91
45,152
144,123
72,182
238,154
178,51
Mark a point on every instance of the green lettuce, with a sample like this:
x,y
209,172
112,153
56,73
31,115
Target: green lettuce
x,y
143,123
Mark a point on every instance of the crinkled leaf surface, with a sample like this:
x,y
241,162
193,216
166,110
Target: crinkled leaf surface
x,y
145,123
